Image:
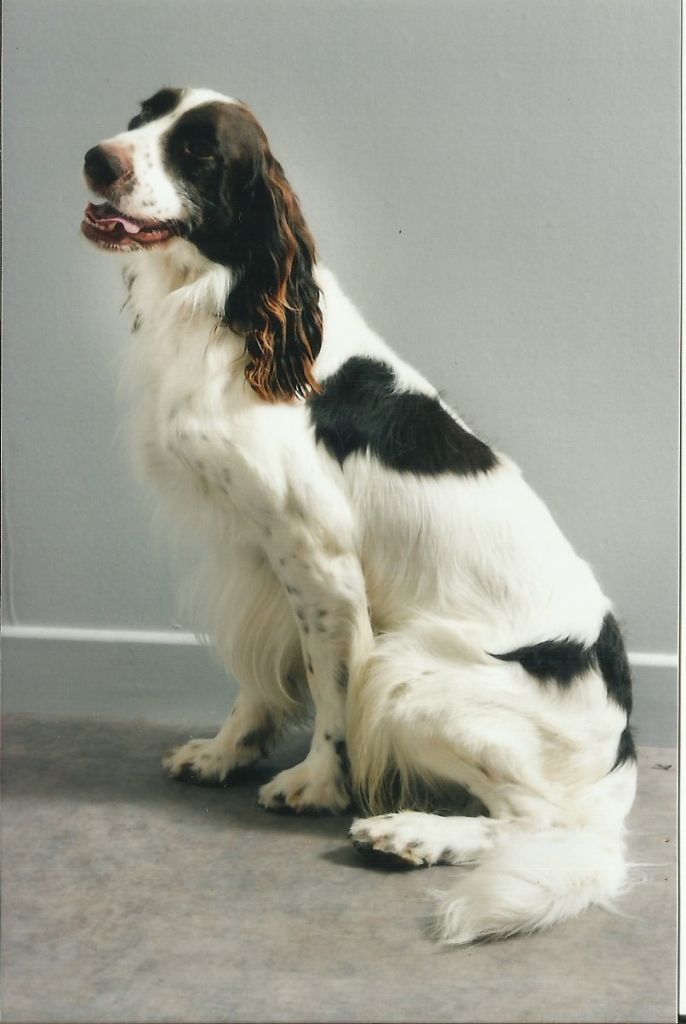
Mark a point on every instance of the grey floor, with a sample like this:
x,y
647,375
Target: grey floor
x,y
128,897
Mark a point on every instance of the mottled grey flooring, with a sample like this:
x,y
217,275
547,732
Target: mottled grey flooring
x,y
128,897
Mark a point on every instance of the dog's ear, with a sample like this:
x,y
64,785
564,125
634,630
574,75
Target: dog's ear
x,y
275,300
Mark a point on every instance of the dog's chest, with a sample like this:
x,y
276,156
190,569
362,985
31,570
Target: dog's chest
x,y
189,392
202,434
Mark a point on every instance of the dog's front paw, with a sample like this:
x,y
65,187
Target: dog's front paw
x,y
307,788
202,761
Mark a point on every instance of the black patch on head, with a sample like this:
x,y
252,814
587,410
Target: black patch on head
x,y
244,215
563,661
360,410
213,150
163,102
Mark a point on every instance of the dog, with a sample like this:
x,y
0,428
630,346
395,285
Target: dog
x,y
366,555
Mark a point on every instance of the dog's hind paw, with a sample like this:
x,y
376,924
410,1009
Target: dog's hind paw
x,y
419,839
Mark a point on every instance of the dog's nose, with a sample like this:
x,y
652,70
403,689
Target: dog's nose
x,y
102,167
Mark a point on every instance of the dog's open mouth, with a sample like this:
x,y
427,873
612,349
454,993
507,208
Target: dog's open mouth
x,y
104,224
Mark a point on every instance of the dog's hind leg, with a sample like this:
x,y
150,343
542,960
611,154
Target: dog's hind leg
x,y
554,841
420,840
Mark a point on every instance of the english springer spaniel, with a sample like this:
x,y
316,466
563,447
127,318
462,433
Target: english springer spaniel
x,y
367,557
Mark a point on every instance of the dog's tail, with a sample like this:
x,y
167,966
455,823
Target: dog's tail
x,y
530,880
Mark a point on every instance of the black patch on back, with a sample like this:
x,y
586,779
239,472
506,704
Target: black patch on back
x,y
360,410
163,102
563,661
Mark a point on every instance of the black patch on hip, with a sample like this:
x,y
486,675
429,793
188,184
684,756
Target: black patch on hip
x,y
611,659
360,410
560,660
626,751
563,661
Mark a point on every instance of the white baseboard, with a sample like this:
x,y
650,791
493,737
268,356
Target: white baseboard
x,y
649,659
103,636
171,676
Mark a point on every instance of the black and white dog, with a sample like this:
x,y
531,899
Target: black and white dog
x,y
365,551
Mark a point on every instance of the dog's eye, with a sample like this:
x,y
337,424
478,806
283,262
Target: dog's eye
x,y
198,149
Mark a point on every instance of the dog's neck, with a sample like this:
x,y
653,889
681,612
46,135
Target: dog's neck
x,y
184,281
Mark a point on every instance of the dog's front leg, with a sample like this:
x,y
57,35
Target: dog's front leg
x,y
247,734
322,577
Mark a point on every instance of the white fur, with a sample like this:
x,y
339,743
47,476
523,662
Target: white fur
x,y
406,581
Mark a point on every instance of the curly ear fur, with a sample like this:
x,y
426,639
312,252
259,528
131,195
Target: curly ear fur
x,y
275,301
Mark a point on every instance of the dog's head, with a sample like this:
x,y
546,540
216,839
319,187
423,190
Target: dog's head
x,y
195,168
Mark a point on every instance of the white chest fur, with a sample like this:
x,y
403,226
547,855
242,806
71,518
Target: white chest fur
x,y
199,430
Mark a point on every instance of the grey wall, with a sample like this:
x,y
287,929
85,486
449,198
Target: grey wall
x,y
496,185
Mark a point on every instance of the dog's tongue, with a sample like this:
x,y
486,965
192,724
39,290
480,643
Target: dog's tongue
x,y
103,213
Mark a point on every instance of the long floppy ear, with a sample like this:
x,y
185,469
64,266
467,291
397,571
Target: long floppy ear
x,y
275,300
